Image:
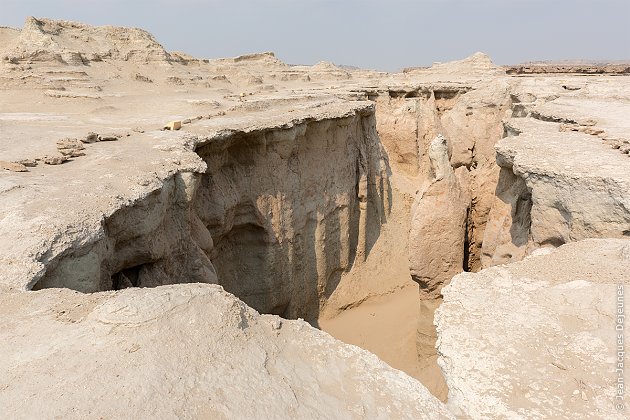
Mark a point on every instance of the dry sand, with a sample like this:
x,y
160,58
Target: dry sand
x,y
387,326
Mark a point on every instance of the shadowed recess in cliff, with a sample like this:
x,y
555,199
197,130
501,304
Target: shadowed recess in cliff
x,y
277,218
151,242
291,210
471,119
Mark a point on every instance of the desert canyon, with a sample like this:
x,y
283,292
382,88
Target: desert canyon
x,y
244,238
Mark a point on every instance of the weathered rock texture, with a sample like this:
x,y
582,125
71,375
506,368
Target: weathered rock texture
x,y
438,224
186,351
47,40
507,232
470,116
537,338
555,188
276,217
290,210
153,241
278,187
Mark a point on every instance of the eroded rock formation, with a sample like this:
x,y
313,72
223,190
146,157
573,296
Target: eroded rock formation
x,y
300,189
291,210
438,224
550,194
536,338
268,218
73,43
471,117
190,351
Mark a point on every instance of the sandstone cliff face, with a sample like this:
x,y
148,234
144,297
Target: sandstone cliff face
x,y
153,241
438,224
471,118
536,338
548,198
474,126
507,232
290,210
408,119
186,351
276,217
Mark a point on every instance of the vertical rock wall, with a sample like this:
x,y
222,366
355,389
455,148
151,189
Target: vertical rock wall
x,y
290,210
446,214
276,218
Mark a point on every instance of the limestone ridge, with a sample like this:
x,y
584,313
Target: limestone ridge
x,y
75,43
477,64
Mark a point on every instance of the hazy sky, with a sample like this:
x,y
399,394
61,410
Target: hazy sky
x,y
378,34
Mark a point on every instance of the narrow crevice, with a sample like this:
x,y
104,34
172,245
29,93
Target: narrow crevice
x,y
129,277
467,245
551,118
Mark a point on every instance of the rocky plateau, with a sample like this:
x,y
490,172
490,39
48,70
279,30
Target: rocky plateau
x,y
244,238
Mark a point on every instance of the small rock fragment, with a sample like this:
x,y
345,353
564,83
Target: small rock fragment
x,y
13,166
173,125
276,324
90,138
30,163
140,78
593,131
71,152
54,160
109,137
70,144
70,147
568,127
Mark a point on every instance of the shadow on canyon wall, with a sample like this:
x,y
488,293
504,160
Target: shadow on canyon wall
x,y
277,218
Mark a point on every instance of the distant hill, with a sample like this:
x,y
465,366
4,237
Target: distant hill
x,y
619,67
575,63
